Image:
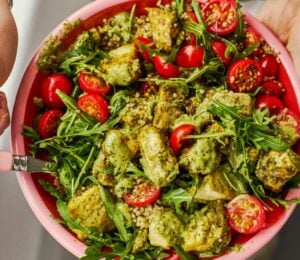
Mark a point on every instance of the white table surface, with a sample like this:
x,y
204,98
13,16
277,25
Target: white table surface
x,y
21,235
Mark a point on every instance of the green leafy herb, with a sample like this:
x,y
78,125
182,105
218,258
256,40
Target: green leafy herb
x,y
177,197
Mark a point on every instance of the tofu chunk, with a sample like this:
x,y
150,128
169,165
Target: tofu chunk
x,y
168,108
276,168
159,163
123,68
164,27
213,187
207,229
201,158
89,209
165,229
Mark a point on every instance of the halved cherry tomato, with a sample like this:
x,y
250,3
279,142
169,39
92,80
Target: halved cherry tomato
x,y
274,104
252,37
246,214
48,123
220,16
142,195
172,255
219,48
92,84
49,86
108,250
144,53
272,87
177,137
244,76
269,65
190,56
166,70
94,105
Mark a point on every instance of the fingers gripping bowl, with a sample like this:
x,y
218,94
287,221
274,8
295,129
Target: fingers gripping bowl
x,y
182,69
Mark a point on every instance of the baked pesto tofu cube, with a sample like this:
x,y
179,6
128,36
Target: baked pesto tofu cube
x,y
207,229
165,229
201,158
276,168
159,163
123,68
88,208
235,99
213,187
164,27
169,107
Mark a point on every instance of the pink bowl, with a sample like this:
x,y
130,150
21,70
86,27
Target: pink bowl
x,y
43,205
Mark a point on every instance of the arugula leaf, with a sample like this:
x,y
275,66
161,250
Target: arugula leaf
x,y
177,197
183,255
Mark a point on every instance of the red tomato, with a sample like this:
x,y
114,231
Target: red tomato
x,y
220,16
274,104
49,86
92,84
48,123
94,105
177,137
252,37
272,87
142,195
219,48
166,70
144,53
108,250
269,65
244,76
172,255
190,56
246,214
146,90
289,97
193,16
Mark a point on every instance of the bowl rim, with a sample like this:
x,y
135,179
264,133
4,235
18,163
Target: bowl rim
x,y
58,232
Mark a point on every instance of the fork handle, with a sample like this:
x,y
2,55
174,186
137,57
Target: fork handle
x,y
6,161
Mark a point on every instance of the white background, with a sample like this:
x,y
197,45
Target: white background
x,y
21,235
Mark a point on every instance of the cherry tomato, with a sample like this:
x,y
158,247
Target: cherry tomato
x,y
274,104
49,86
177,137
244,76
94,105
172,255
192,16
48,123
219,48
269,65
92,84
166,70
220,16
146,90
109,250
252,37
190,56
246,214
144,53
142,195
272,87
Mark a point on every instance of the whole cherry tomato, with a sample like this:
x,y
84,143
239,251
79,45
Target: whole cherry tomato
x,y
269,65
177,137
48,123
190,56
246,214
92,84
244,76
252,37
219,48
142,195
220,16
139,43
49,86
94,105
272,87
274,104
166,70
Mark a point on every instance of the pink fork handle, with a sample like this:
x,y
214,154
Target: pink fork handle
x,y
6,161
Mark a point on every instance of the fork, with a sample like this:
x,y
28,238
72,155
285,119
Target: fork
x,y
22,163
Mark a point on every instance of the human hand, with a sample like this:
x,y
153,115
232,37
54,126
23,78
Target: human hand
x,y
283,18
8,48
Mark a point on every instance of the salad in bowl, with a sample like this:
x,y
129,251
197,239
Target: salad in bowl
x,y
171,128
